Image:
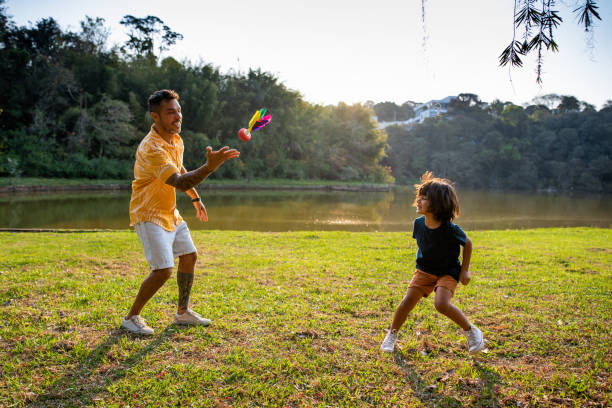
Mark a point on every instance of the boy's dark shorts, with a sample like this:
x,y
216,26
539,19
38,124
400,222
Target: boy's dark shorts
x,y
427,283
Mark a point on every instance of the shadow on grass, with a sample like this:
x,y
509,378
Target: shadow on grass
x,y
484,387
427,394
488,378
84,382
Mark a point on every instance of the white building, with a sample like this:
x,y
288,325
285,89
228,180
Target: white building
x,y
431,109
423,111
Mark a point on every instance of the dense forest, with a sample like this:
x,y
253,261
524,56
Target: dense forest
x,y
73,106
558,143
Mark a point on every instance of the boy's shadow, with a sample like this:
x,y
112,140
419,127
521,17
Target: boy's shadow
x,y
430,397
488,378
83,383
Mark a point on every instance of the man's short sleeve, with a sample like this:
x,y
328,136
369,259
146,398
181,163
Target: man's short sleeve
x,y
161,164
459,235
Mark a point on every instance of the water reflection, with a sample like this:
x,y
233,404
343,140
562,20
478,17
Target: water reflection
x,y
307,210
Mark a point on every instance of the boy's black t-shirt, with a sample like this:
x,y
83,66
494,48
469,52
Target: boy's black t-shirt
x,y
439,249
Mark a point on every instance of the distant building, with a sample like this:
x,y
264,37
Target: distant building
x,y
421,112
432,108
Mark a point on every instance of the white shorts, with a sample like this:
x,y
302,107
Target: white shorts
x,y
161,246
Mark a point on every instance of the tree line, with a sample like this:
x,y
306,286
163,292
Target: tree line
x,y
73,106
556,143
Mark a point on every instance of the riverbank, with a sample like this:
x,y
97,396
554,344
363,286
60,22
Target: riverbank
x,y
10,185
297,321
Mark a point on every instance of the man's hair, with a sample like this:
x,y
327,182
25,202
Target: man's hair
x,y
443,201
162,95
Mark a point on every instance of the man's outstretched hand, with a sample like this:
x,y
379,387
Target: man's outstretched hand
x,y
214,159
192,178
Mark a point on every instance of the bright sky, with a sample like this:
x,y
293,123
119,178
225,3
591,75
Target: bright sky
x,y
357,50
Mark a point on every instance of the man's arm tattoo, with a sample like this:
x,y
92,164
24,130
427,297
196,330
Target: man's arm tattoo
x,y
185,281
192,192
190,179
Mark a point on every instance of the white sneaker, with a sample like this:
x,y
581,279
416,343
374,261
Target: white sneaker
x,y
191,317
136,325
388,343
475,339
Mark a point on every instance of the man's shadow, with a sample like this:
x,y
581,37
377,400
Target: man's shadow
x,y
430,397
83,383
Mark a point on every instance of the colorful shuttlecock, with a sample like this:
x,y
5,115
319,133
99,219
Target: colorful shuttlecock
x,y
259,119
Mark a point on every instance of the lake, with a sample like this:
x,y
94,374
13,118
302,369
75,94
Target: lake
x,y
271,210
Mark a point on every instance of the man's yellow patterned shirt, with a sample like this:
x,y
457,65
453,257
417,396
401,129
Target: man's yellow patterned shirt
x,y
152,199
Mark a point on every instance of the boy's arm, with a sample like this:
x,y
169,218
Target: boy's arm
x,y
464,276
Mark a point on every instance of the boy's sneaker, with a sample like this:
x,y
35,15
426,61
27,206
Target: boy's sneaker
x,y
191,317
388,343
136,325
475,339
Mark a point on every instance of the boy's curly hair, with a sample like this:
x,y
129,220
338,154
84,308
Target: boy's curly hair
x,y
443,201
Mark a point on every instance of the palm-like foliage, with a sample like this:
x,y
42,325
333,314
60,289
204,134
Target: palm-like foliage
x,y
587,12
539,20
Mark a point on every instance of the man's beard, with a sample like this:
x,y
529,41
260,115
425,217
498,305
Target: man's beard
x,y
171,127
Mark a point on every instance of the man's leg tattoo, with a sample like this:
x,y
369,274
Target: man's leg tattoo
x,y
185,281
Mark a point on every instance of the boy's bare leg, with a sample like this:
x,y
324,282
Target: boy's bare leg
x,y
148,288
407,304
444,306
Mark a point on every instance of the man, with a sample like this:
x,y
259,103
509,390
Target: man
x,y
164,235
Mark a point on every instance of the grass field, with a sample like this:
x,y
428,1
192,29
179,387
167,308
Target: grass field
x,y
298,319
272,182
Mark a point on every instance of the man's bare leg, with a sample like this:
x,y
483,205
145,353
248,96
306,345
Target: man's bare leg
x,y
184,279
148,288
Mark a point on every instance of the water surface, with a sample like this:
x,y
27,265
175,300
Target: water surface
x,y
270,210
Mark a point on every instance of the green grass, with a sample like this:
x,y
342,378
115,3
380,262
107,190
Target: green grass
x,y
287,182
298,319
36,181
33,181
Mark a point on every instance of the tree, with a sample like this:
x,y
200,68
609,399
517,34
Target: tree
x,y
406,111
607,106
537,112
569,104
386,111
465,102
524,149
513,115
356,146
587,107
145,32
110,127
496,107
539,22
390,112
94,33
551,101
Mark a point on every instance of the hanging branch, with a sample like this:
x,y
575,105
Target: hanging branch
x,y
546,21
540,42
425,37
512,52
550,20
587,13
528,15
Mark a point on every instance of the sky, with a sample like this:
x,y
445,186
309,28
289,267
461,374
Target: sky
x,y
352,51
